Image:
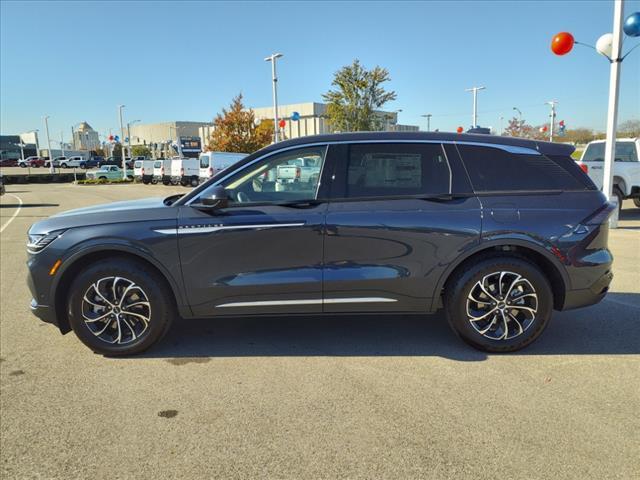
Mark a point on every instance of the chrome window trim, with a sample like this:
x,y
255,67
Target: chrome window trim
x,y
507,148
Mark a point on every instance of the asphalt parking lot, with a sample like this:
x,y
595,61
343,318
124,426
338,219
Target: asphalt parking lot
x,y
363,397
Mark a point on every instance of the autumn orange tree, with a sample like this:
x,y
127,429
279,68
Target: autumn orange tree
x,y
235,130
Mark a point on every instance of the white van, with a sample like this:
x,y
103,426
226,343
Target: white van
x,y
143,171
162,171
214,162
185,171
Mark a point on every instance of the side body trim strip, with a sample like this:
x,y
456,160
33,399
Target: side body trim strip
x,y
311,301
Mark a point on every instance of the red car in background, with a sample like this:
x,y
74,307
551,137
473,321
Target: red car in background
x,y
34,162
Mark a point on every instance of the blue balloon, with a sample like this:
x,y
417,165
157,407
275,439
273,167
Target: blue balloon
x,y
632,25
295,116
116,138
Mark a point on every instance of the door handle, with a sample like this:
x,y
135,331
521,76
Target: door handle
x,y
300,204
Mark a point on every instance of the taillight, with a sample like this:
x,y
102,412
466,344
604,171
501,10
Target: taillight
x,y
584,168
298,172
182,171
211,171
161,170
601,215
142,171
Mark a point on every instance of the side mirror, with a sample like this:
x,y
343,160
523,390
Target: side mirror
x,y
217,199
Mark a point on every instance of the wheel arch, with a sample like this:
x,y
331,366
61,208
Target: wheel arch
x,y
86,257
539,256
621,184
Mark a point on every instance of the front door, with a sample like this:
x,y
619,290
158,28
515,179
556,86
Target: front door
x,y
263,253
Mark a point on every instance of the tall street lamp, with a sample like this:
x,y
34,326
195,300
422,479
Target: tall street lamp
x,y
428,117
272,58
519,119
475,91
124,162
46,129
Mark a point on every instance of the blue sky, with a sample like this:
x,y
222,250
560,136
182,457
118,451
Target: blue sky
x,y
77,61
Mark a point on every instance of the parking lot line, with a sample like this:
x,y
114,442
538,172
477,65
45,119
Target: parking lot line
x,y
15,214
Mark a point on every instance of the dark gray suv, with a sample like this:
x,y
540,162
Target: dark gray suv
x,y
497,231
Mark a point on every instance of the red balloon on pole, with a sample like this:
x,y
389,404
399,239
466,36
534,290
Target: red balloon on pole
x,y
110,137
282,123
562,43
459,129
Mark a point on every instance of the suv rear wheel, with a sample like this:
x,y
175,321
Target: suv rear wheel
x,y
499,304
120,307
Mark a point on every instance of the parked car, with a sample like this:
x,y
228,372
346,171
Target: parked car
x,y
33,162
117,162
107,172
185,171
297,170
3,190
91,163
626,167
162,171
497,231
214,162
8,162
143,171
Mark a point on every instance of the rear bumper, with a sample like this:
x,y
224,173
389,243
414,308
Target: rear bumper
x,y
588,296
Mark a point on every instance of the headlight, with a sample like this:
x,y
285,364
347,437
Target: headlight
x,y
37,243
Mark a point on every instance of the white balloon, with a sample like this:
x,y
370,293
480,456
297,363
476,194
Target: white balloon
x,y
604,45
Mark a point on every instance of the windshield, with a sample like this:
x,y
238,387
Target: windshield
x,y
157,164
204,161
625,152
138,164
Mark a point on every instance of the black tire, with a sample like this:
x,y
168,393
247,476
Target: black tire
x,y
166,182
160,298
636,202
154,181
146,182
619,195
22,165
195,181
466,279
63,165
102,178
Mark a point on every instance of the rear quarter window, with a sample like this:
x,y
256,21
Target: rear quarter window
x,y
496,170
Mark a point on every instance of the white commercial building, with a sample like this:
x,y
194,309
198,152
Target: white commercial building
x,y
85,137
313,120
162,138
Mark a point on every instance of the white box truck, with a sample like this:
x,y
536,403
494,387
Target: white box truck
x,y
214,162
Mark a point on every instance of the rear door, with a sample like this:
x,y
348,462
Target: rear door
x,y
263,253
399,214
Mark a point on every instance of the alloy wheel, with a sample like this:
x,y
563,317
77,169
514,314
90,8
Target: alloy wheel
x,y
116,310
502,305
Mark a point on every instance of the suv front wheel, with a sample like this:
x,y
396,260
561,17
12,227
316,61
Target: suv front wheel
x,y
120,307
500,304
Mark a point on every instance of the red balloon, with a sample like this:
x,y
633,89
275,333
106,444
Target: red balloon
x,y
110,137
544,129
562,43
282,123
459,129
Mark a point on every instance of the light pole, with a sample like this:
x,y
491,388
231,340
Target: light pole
x,y
272,58
129,135
475,103
124,162
62,143
46,129
553,104
501,126
519,120
428,117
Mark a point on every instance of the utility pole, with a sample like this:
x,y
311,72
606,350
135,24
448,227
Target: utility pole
x,y
553,104
272,58
46,128
519,120
124,162
475,104
612,115
428,117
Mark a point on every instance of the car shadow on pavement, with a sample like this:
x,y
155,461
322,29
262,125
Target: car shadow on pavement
x,y
28,205
610,328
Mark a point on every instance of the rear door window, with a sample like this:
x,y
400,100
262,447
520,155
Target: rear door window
x,y
497,170
625,152
394,169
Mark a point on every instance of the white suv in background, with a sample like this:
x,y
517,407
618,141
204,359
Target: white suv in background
x,y
626,168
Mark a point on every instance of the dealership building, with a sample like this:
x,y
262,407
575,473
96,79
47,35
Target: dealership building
x,y
162,138
313,119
